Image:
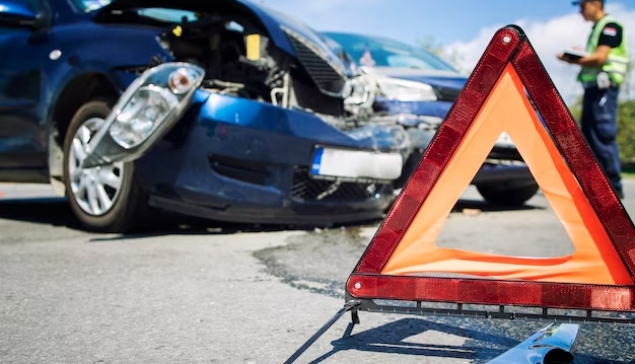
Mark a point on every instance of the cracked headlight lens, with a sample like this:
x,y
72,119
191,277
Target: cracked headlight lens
x,y
155,100
142,115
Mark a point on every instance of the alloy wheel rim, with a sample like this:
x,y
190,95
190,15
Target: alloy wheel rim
x,y
94,189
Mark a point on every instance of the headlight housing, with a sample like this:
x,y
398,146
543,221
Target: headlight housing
x,y
358,91
404,90
148,108
155,99
141,115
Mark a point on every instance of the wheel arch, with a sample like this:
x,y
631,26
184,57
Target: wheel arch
x,y
75,93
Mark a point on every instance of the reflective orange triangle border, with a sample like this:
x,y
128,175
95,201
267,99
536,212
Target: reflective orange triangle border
x,y
598,275
595,260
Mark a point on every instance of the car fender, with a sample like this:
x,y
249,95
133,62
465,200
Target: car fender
x,y
117,80
63,79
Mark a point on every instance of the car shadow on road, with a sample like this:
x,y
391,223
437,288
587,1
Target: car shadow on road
x,y
55,211
467,204
39,210
392,338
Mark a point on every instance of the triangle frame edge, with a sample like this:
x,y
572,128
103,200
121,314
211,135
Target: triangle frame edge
x,y
622,298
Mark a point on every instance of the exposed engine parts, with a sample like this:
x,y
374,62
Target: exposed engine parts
x,y
240,60
237,56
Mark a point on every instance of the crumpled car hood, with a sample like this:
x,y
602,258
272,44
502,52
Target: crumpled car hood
x,y
272,20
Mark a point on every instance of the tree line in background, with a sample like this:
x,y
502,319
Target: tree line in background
x,y
626,108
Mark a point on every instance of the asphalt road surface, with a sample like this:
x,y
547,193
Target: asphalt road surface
x,y
242,294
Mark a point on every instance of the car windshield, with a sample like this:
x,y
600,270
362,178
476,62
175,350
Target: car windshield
x,y
383,52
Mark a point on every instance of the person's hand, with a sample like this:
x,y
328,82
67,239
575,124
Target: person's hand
x,y
562,57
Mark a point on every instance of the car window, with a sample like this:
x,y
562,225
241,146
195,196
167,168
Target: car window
x,y
382,52
171,15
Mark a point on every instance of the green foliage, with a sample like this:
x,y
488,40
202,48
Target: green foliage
x,y
628,88
625,127
576,110
626,131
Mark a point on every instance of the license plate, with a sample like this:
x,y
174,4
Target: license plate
x,y
342,163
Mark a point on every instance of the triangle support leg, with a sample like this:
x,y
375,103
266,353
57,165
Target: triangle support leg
x,y
354,321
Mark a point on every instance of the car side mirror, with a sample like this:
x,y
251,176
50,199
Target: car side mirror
x,y
16,15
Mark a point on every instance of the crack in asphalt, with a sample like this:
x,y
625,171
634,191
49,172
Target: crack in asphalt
x,y
283,261
321,261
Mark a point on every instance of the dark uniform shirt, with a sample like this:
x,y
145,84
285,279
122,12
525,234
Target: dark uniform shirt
x,y
611,35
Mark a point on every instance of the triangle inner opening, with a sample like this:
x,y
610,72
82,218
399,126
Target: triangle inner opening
x,y
487,212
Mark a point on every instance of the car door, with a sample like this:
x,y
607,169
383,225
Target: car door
x,y
23,139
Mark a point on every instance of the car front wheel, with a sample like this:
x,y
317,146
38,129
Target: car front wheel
x,y
103,198
507,196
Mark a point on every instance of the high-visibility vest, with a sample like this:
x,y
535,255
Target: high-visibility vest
x,y
617,63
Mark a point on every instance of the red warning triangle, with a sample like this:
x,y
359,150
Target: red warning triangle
x,y
402,261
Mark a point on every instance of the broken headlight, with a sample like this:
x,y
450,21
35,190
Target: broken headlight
x,y
150,106
141,116
359,96
155,100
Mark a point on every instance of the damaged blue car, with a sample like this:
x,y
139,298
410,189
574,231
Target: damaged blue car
x,y
224,110
418,88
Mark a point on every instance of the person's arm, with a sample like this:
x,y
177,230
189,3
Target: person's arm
x,y
611,37
597,59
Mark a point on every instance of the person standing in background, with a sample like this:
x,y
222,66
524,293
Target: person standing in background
x,y
603,71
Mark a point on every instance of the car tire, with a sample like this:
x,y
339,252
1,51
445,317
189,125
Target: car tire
x,y
107,198
507,196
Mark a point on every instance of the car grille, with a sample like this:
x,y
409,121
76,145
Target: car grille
x,y
309,189
243,170
326,75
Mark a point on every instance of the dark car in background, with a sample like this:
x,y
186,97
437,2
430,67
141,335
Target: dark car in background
x,y
223,110
418,89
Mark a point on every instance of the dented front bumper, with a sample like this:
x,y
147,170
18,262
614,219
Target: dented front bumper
x,y
228,158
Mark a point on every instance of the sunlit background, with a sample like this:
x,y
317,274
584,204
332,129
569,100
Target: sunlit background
x,y
461,29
